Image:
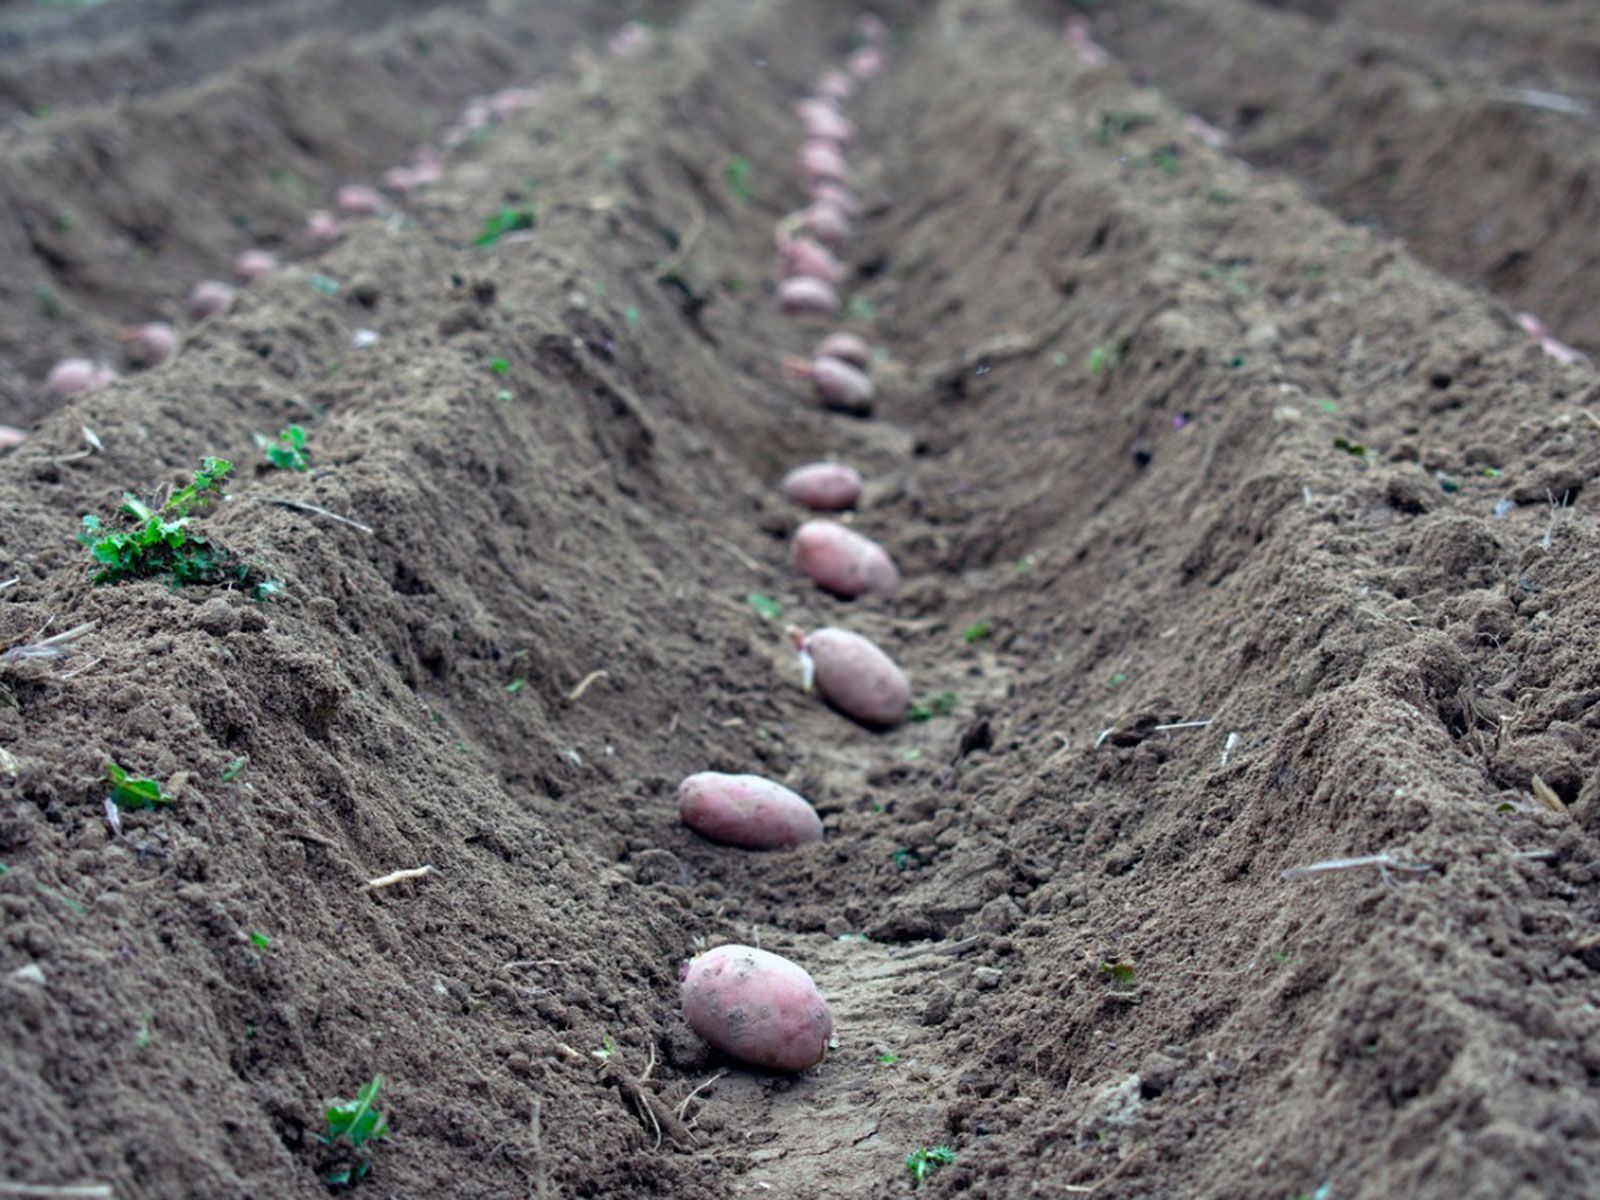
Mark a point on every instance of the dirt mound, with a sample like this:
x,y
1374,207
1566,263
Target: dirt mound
x,y
1236,539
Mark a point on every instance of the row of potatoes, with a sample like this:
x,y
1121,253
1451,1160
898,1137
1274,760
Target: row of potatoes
x,y
753,1005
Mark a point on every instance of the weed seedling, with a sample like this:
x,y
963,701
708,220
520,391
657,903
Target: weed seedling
x,y
768,608
507,220
941,705
236,768
351,1125
288,452
516,685
260,940
925,1161
888,1058
1114,124
1121,973
499,366
737,173
145,1036
44,299
1356,449
606,1050
1102,358
976,632
859,308
134,794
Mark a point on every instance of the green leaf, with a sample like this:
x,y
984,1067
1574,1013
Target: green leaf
x,y
134,794
888,1058
1349,447
976,632
507,220
737,173
260,940
922,1163
328,287
1120,972
499,366
516,685
766,606
236,768
357,1120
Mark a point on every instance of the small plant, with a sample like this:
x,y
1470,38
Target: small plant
x,y
507,220
134,794
288,452
499,366
737,173
1114,124
260,940
1103,358
941,705
768,608
1356,449
162,541
606,1050
1121,973
1166,159
976,632
351,1125
235,768
888,1058
925,1161
44,299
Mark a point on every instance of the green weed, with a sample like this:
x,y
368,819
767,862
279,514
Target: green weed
x,y
941,705
1121,973
925,1161
288,452
976,632
768,608
737,173
352,1124
507,220
135,794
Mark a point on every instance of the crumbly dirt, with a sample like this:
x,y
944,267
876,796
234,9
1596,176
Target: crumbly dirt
x,y
1245,538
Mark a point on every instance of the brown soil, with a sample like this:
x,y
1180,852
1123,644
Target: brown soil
x,y
1124,377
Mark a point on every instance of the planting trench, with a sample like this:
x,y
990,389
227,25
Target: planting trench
x,y
1189,446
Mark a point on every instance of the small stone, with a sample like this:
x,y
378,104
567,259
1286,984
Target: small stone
x,y
33,974
987,977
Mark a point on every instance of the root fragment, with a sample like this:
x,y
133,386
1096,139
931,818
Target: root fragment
x,y
394,877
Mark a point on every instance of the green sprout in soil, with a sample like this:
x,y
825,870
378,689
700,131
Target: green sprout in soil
x,y
499,366
1352,448
768,608
904,860
236,768
507,220
1102,358
976,632
351,1125
145,1036
606,1050
328,287
859,308
737,173
1166,159
134,794
162,542
1114,124
288,452
631,314
516,685
44,299
925,1161
888,1058
260,940
941,705
1121,973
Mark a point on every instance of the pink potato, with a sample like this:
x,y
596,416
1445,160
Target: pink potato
x,y
837,195
823,486
75,376
846,347
210,299
747,811
826,222
825,123
323,227
842,561
838,385
254,264
822,162
836,85
359,200
150,344
803,296
804,256
872,29
866,63
854,676
757,1007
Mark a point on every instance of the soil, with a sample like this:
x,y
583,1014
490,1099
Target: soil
x,y
1247,538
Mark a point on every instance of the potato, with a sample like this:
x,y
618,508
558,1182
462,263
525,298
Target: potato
x,y
826,222
806,256
836,86
359,200
823,486
866,63
837,195
253,265
856,677
75,376
842,561
210,299
747,811
757,1007
846,347
822,162
803,296
150,344
837,384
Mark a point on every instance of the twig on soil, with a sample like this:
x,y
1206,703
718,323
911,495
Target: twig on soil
x,y
1555,513
50,647
542,1180
683,1106
1546,795
739,554
1535,98
12,582
312,508
45,1191
672,262
1105,733
588,681
1229,746
394,877
1593,420
662,1120
1377,377
1384,862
